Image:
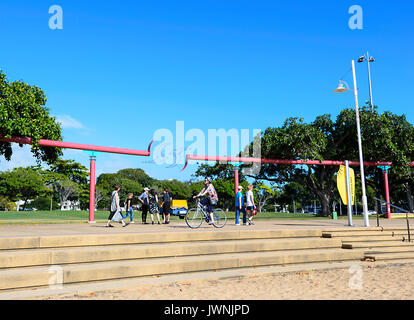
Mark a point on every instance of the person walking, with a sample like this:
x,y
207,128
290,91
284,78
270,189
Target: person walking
x,y
128,208
240,207
166,205
115,210
250,205
153,206
144,198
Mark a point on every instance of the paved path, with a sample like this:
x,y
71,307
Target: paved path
x,y
18,230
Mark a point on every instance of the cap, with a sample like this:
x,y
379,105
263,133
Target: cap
x,y
146,189
240,187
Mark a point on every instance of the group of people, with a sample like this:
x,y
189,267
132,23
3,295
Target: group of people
x,y
149,201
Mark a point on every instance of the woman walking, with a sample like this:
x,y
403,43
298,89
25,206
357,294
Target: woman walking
x,y
115,210
153,206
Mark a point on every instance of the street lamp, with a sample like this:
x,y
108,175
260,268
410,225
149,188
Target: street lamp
x,y
368,58
343,87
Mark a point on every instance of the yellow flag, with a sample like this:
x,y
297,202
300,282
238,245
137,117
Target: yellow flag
x,y
341,184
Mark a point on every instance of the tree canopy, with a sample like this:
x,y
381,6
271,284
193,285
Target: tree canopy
x,y
23,114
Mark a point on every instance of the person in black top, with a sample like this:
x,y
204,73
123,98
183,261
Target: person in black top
x,y
166,205
128,207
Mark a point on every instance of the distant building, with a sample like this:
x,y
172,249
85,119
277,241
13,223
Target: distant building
x,y
70,205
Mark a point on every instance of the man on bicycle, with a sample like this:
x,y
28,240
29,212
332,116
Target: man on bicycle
x,y
211,198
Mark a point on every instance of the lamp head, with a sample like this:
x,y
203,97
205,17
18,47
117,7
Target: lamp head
x,y
342,87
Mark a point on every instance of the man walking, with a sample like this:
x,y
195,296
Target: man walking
x,y
144,198
250,204
240,207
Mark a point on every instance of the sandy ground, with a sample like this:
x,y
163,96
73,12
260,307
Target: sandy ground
x,y
363,281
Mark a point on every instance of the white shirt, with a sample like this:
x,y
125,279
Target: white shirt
x,y
249,198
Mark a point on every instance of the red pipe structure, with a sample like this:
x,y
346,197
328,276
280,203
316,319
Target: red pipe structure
x,y
78,146
92,155
382,164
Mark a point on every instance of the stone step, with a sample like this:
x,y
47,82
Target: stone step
x,y
371,239
389,250
26,277
375,244
390,256
29,242
345,234
67,255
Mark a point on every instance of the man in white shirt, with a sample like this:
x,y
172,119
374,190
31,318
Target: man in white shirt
x,y
250,205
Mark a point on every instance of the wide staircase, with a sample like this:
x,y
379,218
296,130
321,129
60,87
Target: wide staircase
x,y
379,244
32,262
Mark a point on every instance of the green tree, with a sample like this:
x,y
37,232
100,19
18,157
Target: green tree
x,y
23,114
21,184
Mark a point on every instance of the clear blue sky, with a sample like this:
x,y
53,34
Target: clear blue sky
x,y
120,70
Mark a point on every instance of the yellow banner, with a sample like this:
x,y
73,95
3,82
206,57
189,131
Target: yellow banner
x,y
341,184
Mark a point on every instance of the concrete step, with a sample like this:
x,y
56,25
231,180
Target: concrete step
x,y
389,249
113,238
375,244
65,255
87,288
371,239
26,277
390,256
345,234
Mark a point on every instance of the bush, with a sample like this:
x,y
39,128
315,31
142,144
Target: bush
x,y
7,205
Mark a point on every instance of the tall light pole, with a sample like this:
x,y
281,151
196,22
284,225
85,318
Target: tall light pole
x,y
342,88
369,59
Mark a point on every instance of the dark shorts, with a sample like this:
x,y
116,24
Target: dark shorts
x,y
249,208
166,208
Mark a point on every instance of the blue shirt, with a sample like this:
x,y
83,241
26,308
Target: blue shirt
x,y
239,195
145,196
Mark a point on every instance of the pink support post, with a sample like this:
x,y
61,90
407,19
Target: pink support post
x,y
236,179
92,190
387,193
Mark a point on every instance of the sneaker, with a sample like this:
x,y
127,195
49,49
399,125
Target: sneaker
x,y
245,224
251,223
237,224
132,222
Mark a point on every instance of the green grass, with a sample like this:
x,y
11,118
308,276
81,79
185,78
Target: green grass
x,y
58,216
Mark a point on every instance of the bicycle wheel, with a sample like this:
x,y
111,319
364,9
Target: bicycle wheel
x,y
220,218
194,218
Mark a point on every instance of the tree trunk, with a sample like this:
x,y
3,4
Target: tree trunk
x,y
410,198
325,201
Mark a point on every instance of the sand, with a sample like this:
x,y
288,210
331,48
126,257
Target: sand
x,y
363,281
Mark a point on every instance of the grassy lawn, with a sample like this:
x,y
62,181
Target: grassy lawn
x,y
58,216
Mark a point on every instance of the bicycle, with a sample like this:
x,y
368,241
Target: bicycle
x,y
195,216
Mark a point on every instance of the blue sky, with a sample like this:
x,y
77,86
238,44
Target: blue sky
x,y
120,70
